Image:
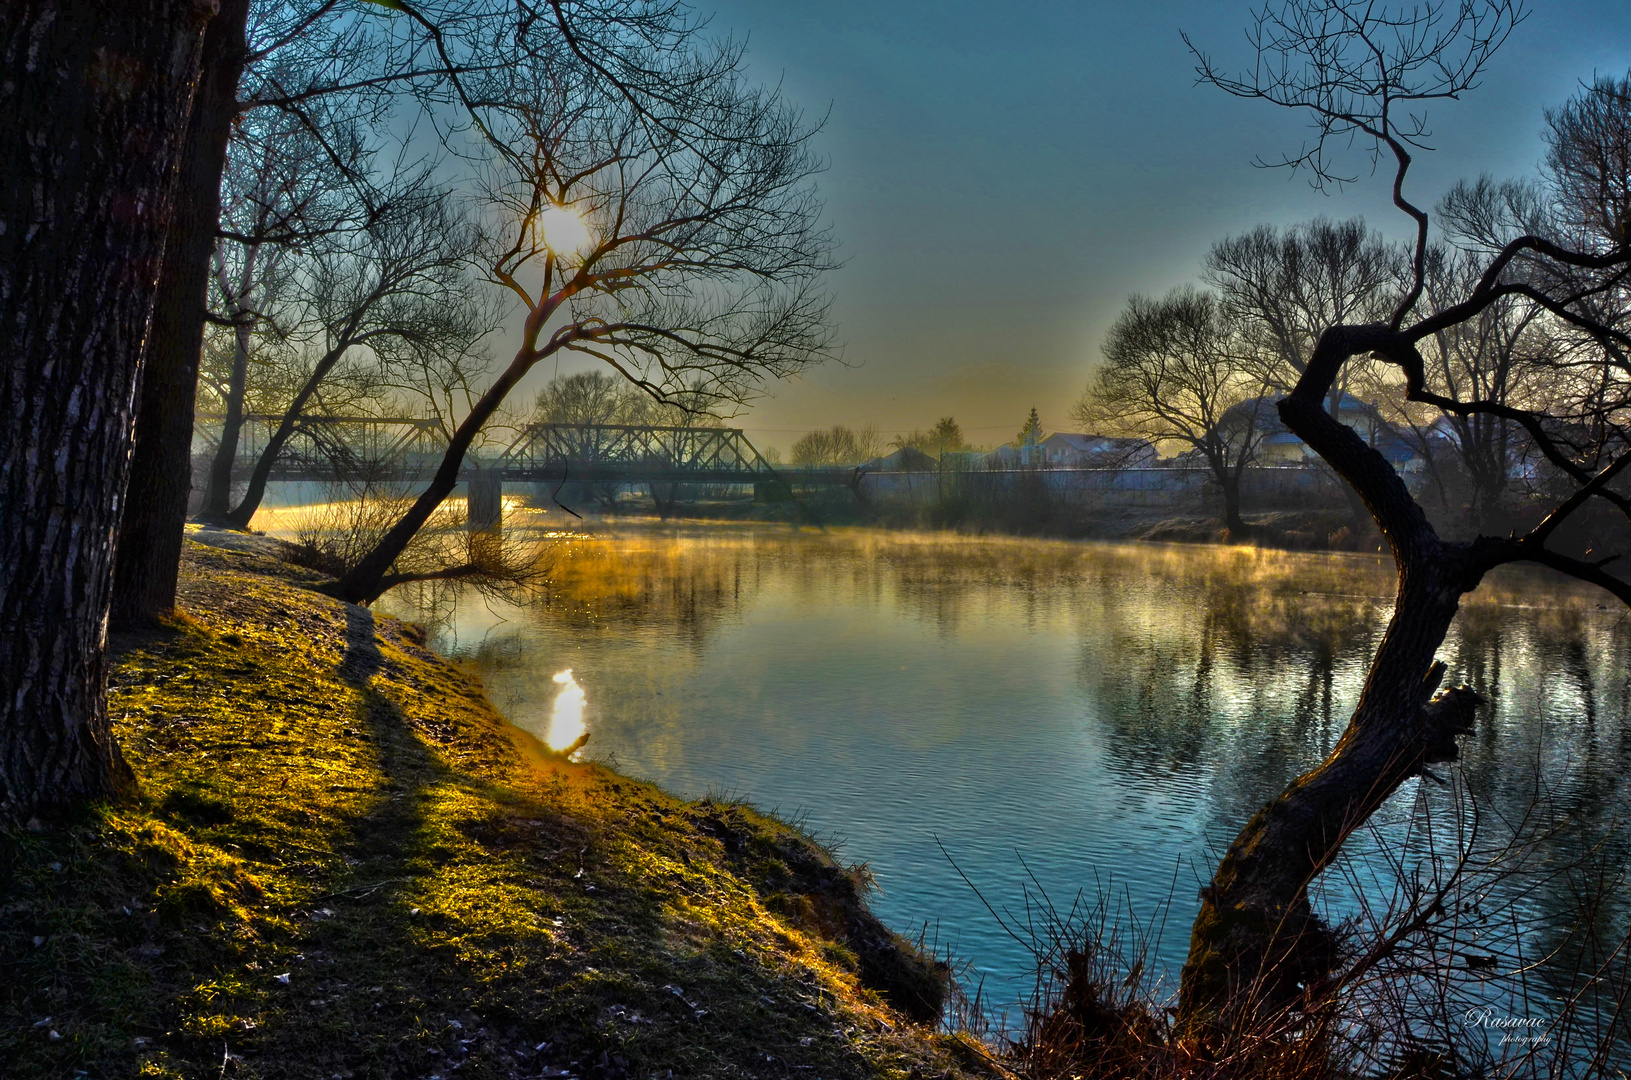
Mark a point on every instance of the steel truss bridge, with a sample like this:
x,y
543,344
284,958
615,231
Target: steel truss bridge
x,y
401,449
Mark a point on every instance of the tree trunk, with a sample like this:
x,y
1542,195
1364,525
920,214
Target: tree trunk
x,y
1256,944
665,497
93,110
244,512
1229,481
1229,485
1488,469
149,549
218,492
365,582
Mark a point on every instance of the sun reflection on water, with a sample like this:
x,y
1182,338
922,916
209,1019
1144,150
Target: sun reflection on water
x,y
566,727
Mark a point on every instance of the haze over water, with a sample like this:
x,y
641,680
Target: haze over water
x,y
1090,715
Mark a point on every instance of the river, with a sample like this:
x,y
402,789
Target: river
x,y
989,721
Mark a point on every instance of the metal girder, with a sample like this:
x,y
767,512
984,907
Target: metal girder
x,y
340,447
635,452
410,449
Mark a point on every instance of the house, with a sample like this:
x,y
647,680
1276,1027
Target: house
x,y
1279,447
1283,448
906,459
1011,457
1064,450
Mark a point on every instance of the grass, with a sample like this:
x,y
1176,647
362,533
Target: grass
x,y
341,862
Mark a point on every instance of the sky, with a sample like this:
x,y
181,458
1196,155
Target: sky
x,y
1002,177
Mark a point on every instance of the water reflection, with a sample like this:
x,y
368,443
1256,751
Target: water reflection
x,y
1100,712
566,728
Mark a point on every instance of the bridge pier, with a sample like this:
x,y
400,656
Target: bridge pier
x,y
665,497
771,491
484,504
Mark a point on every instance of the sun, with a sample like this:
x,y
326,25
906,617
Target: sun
x,y
561,230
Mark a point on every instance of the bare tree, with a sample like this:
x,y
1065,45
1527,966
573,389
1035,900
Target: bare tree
x,y
1284,286
300,59
596,397
684,252
1589,161
1176,370
93,110
1364,74
285,194
591,397
838,445
395,295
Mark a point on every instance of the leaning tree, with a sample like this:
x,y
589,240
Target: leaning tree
x,y
666,227
1364,74
365,312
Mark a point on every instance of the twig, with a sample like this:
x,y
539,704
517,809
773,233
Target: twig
x,y
360,890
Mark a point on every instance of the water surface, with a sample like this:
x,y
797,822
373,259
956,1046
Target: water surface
x,y
1031,716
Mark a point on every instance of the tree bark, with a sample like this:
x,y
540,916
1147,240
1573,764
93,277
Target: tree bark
x,y
1229,481
93,109
149,550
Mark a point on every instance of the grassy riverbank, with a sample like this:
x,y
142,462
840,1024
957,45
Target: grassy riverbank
x,y
340,862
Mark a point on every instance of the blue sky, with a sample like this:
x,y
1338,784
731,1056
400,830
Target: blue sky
x,y
1003,176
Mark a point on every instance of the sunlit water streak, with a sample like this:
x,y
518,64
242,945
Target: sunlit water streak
x,y
1075,714
566,725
